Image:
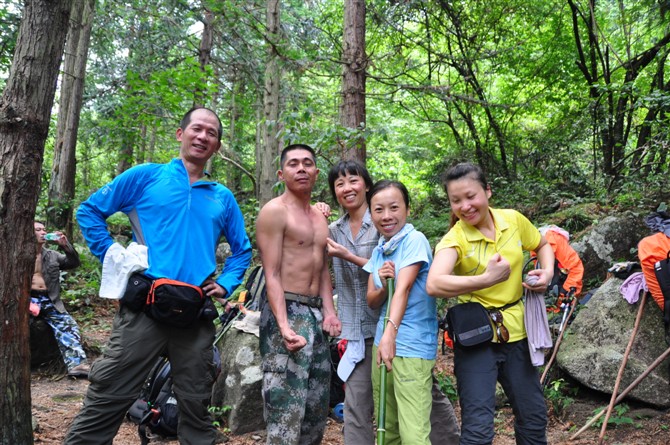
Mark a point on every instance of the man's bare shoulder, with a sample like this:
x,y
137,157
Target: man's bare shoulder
x,y
320,220
273,208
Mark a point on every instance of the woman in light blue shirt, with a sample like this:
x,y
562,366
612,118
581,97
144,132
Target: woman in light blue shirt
x,y
406,340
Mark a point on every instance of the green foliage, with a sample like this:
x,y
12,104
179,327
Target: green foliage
x,y
617,418
9,26
559,396
447,386
433,226
82,285
219,415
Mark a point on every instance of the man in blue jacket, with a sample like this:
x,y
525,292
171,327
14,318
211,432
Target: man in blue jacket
x,y
180,215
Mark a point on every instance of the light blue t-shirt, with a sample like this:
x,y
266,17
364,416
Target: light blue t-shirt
x,y
417,332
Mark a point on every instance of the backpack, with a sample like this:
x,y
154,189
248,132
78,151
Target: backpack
x,y
43,345
155,412
555,287
662,272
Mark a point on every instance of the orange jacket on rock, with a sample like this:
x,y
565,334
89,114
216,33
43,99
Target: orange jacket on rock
x,y
651,249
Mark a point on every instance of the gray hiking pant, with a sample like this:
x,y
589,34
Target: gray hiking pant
x,y
116,378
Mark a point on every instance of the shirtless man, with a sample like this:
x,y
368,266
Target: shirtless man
x,y
45,292
291,236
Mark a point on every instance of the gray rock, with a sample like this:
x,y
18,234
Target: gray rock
x,y
610,241
240,383
595,343
222,253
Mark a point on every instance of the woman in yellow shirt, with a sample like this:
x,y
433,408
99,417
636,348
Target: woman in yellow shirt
x,y
480,259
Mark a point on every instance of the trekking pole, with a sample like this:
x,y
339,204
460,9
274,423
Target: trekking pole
x,y
559,339
226,320
381,412
565,310
621,369
625,392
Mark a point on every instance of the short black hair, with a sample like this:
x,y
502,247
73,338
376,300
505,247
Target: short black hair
x,y
387,183
187,119
292,147
348,167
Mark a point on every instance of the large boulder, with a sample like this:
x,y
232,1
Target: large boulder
x,y
240,383
610,241
593,348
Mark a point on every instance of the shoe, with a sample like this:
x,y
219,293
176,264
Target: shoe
x,y
81,370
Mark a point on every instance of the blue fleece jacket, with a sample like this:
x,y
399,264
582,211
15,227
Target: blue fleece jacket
x,y
180,223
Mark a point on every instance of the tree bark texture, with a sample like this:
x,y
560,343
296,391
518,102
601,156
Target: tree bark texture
x,y
269,148
63,170
204,56
25,107
355,62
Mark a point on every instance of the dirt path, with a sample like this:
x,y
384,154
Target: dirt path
x,y
56,399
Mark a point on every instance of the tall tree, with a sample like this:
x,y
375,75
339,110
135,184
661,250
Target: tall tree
x,y
25,108
612,71
269,149
63,170
352,110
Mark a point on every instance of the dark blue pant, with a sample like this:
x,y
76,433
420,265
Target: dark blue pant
x,y
477,371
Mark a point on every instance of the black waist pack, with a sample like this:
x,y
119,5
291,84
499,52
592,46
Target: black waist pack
x,y
469,324
137,289
174,302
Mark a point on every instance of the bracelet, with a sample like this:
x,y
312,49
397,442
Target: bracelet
x,y
393,323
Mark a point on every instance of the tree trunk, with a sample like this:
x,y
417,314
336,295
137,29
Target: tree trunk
x,y
352,111
204,56
126,154
25,108
62,184
269,149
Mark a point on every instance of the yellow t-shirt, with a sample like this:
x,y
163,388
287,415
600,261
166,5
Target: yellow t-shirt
x,y
514,234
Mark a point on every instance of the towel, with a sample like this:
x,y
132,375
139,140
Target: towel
x,y
250,323
354,353
537,325
564,233
118,265
633,286
659,222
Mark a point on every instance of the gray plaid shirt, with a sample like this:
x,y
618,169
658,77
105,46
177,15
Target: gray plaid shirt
x,y
351,281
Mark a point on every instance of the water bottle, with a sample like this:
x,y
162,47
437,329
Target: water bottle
x,y
52,237
338,411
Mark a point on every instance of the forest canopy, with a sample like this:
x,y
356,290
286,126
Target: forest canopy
x,y
559,100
